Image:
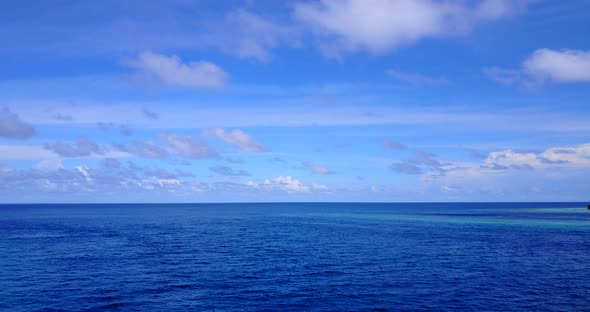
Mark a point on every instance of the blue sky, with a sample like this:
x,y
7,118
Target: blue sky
x,y
318,100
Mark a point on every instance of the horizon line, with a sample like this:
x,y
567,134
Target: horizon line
x,y
301,202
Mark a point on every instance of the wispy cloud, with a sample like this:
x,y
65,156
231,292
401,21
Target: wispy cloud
x,y
82,147
187,114
236,137
316,168
146,149
11,126
418,79
227,171
149,114
124,130
153,68
277,159
25,152
62,117
503,75
421,163
392,145
188,146
248,35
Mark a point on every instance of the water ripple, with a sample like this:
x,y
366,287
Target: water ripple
x,y
286,257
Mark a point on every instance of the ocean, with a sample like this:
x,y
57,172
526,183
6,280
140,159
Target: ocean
x,y
295,257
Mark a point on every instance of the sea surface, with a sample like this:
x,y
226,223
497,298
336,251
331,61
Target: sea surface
x,y
295,257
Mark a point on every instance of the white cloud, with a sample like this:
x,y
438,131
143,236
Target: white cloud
x,y
516,183
573,156
558,66
287,184
508,162
151,183
102,180
169,70
347,24
557,172
236,137
280,183
11,126
84,171
546,65
380,26
509,159
290,185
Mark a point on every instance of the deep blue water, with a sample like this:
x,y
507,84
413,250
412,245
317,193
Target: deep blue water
x,y
295,257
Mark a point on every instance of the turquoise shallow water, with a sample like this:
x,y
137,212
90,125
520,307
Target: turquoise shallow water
x,y
295,257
